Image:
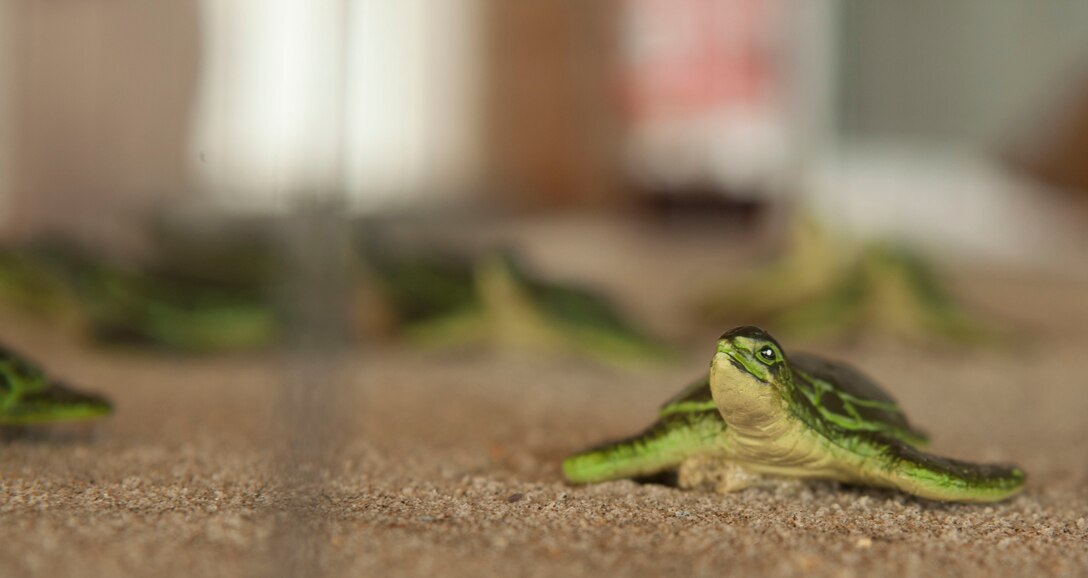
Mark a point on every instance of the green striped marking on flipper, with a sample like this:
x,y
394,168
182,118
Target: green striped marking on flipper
x,y
687,427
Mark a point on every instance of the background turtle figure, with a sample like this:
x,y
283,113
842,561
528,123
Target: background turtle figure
x,y
823,285
760,414
203,292
176,308
494,300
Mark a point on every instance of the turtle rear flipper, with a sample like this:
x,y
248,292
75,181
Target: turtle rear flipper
x,y
663,446
944,479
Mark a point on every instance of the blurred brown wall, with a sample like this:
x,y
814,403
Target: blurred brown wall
x,y
552,121
100,102
1061,158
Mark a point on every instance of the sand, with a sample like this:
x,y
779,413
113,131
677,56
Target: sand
x,y
448,464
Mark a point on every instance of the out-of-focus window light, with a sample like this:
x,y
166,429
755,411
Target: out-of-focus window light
x,y
269,101
415,100
286,84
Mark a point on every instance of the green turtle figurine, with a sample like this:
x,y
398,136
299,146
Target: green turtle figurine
x,y
176,309
494,299
760,414
824,285
28,397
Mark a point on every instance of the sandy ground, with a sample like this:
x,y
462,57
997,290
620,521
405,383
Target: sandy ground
x,y
448,464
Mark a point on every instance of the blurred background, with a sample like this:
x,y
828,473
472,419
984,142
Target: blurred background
x,y
960,125
620,180
596,176
959,129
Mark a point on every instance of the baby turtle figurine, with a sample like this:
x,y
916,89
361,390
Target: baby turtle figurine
x,y
760,414
28,397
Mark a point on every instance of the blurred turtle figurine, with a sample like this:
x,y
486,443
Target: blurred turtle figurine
x,y
445,299
760,414
115,301
890,289
123,302
28,397
36,278
143,306
809,266
821,285
211,290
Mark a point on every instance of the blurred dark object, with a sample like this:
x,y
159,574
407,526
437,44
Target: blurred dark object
x,y
708,203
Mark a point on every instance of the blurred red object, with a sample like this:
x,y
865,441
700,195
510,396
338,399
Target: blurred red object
x,y
689,57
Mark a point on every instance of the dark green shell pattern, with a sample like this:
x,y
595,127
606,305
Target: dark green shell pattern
x,y
843,396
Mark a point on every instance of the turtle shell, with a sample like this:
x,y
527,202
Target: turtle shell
x,y
840,397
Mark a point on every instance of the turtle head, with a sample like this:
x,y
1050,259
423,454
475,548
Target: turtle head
x,y
749,377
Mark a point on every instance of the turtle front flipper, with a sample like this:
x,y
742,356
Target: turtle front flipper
x,y
28,397
943,479
52,404
663,446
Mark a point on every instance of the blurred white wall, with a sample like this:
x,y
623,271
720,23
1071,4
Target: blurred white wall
x,y
383,106
950,201
415,116
270,102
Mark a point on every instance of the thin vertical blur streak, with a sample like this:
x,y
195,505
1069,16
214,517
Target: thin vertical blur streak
x,y
313,388
316,251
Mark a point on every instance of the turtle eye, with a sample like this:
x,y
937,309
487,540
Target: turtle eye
x,y
768,354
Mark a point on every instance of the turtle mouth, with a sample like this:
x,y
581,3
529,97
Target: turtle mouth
x,y
738,362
